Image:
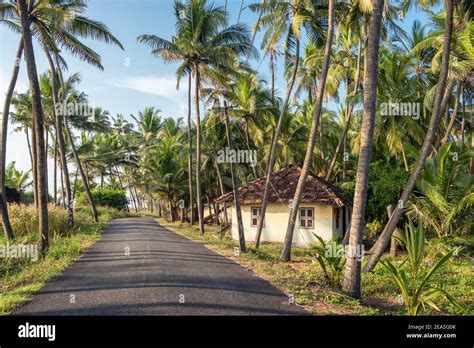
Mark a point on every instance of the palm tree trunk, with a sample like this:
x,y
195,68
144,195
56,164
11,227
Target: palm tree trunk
x,y
351,283
221,187
235,184
349,113
55,171
38,125
272,70
46,145
75,185
286,252
444,109
35,160
74,153
7,227
272,154
393,240
384,238
60,140
453,116
190,154
198,151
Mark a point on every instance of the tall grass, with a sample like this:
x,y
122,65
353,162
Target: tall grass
x,y
19,277
24,220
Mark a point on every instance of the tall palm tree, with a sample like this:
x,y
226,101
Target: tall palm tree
x,y
38,125
386,235
351,283
57,24
283,19
286,251
174,51
208,44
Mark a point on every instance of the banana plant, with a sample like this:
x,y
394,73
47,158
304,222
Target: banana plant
x,y
413,278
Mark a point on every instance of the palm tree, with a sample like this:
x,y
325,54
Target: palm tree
x,y
58,23
208,44
37,126
174,51
351,283
286,251
282,18
444,193
386,235
149,124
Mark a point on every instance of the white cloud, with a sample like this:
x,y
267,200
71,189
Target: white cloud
x,y
162,86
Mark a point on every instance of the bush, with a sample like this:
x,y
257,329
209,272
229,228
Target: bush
x,y
104,197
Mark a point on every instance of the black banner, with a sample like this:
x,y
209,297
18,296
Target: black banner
x,y
325,330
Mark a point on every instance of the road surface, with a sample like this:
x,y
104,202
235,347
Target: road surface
x,y
141,268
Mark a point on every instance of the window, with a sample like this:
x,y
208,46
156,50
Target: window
x,y
255,216
307,217
337,217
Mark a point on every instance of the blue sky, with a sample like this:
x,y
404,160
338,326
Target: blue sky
x,y
132,79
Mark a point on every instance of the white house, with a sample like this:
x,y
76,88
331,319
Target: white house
x,y
323,210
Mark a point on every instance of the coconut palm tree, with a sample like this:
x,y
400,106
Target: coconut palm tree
x,y
286,251
386,235
57,24
444,195
283,19
37,125
209,44
351,283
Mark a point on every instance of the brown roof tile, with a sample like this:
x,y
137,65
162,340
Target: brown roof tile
x,y
283,187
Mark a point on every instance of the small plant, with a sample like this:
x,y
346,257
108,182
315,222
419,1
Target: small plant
x,y
330,256
413,277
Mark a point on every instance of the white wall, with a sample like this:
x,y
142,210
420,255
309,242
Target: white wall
x,y
276,220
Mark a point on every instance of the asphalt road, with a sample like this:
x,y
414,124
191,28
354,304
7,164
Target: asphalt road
x,y
163,274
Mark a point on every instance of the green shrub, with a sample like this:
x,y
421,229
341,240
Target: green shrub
x,y
413,277
104,197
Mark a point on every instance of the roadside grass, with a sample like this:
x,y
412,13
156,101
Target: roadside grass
x,y
303,279
20,277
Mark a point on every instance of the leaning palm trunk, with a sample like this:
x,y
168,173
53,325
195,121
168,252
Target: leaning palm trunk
x,y
454,115
76,156
7,228
38,125
386,235
198,152
274,143
190,156
60,141
351,282
235,184
349,113
286,252
221,187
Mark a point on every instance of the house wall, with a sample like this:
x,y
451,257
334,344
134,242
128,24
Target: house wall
x,y
276,220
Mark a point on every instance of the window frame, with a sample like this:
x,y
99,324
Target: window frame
x,y
306,218
252,216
